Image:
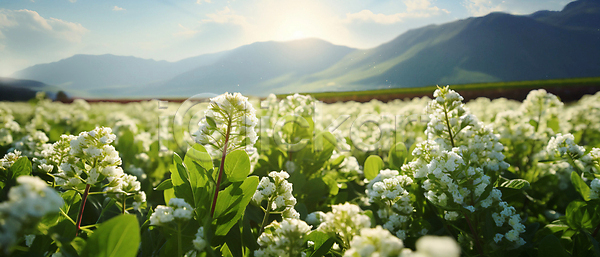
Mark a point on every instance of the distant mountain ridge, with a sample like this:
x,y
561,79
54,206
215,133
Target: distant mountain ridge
x,y
495,47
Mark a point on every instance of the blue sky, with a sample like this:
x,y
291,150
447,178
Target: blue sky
x,y
41,31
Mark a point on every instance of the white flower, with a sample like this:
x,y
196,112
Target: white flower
x,y
230,119
374,242
199,242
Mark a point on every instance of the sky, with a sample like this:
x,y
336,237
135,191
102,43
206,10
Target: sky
x,y
43,31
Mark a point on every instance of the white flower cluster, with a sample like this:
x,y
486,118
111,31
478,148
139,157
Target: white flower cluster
x,y
374,242
505,214
542,105
177,210
199,242
230,120
9,159
283,239
27,203
560,145
433,246
350,165
277,191
584,117
296,104
457,161
8,126
32,145
91,159
345,220
388,190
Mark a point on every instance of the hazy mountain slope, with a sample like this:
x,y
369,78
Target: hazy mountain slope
x,y
22,90
109,74
250,69
496,47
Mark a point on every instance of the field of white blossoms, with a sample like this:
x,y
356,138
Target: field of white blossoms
x,y
294,177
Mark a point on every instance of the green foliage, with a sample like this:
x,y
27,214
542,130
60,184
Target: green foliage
x,y
119,236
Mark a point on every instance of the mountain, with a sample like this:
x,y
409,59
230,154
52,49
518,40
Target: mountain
x,y
256,68
492,48
496,47
109,75
22,90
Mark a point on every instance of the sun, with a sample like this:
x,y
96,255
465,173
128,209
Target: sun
x,y
298,34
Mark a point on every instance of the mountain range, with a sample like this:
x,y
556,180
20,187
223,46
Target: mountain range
x,y
496,47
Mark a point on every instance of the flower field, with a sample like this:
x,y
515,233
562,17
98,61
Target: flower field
x,y
233,176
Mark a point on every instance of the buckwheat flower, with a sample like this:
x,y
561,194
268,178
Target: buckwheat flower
x,y
8,126
161,215
229,124
277,191
182,210
565,144
199,242
374,242
9,159
389,191
434,246
456,162
296,104
177,210
345,220
27,203
283,239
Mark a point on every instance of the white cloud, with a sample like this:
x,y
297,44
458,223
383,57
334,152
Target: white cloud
x,y
483,7
27,20
28,38
226,16
185,32
116,8
414,9
203,1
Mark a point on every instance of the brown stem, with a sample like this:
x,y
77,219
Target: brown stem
x,y
596,231
474,232
448,125
124,199
81,207
221,167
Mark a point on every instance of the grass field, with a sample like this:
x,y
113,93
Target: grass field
x,y
567,89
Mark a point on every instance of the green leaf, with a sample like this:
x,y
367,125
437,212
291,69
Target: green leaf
x,y
180,179
21,167
118,237
167,184
199,155
168,194
323,248
516,184
551,246
373,165
580,215
232,202
323,242
580,186
397,155
237,166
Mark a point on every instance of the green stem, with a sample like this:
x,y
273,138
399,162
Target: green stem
x,y
81,207
179,247
448,125
266,217
221,167
475,235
